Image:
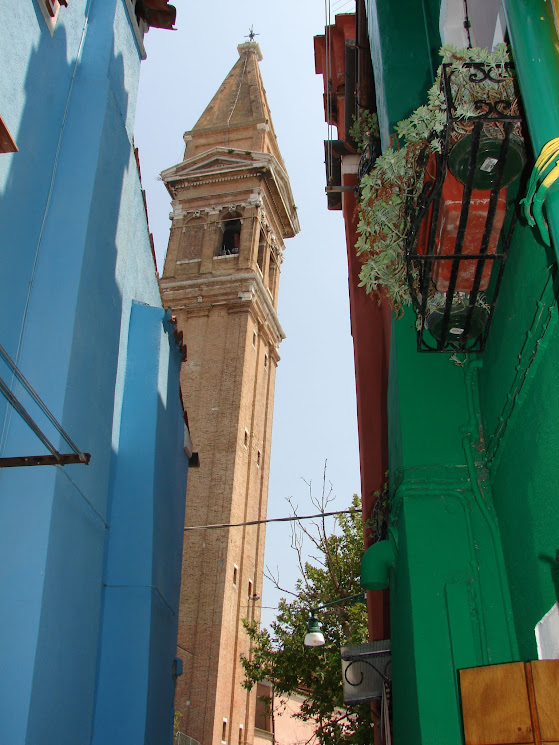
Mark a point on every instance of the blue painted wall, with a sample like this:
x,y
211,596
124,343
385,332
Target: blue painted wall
x,y
80,312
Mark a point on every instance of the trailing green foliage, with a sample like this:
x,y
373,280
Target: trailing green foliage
x,y
364,128
383,223
396,181
279,655
380,514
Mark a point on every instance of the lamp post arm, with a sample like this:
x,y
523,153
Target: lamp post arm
x,y
352,600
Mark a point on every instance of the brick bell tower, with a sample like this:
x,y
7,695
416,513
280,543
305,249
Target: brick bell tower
x,y
232,209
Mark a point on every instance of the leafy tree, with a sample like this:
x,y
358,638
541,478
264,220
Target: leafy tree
x,y
280,656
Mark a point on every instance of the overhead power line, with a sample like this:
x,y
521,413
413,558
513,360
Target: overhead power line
x,y
270,520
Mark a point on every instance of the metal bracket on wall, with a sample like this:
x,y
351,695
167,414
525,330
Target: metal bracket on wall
x,y
55,458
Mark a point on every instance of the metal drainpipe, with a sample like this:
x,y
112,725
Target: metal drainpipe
x,y
536,56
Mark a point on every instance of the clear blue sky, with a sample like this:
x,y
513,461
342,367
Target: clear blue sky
x,y
315,416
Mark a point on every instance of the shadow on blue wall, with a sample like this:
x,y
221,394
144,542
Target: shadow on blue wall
x,y
145,544
91,557
61,320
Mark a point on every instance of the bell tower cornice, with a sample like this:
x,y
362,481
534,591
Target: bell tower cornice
x,y
238,293
224,166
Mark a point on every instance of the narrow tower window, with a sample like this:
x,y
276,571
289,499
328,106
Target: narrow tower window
x,y
258,458
246,438
273,273
240,734
250,588
261,250
224,731
235,572
231,238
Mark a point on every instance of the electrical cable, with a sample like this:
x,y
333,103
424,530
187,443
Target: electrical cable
x,y
329,107
270,520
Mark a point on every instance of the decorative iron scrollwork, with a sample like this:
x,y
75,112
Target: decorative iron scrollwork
x,y
385,673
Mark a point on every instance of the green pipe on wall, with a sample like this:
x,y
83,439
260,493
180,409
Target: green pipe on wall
x,y
534,44
378,561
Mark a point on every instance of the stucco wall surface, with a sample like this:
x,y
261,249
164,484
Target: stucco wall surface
x,y
76,262
476,569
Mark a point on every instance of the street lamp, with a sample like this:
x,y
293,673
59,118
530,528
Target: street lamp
x,y
314,636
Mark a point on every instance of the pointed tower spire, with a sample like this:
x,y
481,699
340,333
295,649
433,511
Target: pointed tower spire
x,y
239,110
241,97
232,210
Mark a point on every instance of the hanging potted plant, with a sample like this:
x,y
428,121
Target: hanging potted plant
x,y
463,145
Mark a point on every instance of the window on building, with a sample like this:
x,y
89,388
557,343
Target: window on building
x,y
258,458
250,588
240,734
254,337
231,240
273,275
235,573
246,438
261,251
263,711
265,360
224,731
191,239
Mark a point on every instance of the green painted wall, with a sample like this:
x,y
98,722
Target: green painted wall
x,y
473,452
427,402
450,604
447,610
405,42
520,409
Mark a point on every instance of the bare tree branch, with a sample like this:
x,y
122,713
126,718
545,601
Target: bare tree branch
x,y
275,580
327,548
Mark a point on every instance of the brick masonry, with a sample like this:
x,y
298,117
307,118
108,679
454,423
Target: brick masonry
x,y
232,177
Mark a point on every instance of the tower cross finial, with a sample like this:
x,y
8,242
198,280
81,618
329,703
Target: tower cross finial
x,y
251,34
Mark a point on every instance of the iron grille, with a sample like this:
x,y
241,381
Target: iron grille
x,y
461,225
